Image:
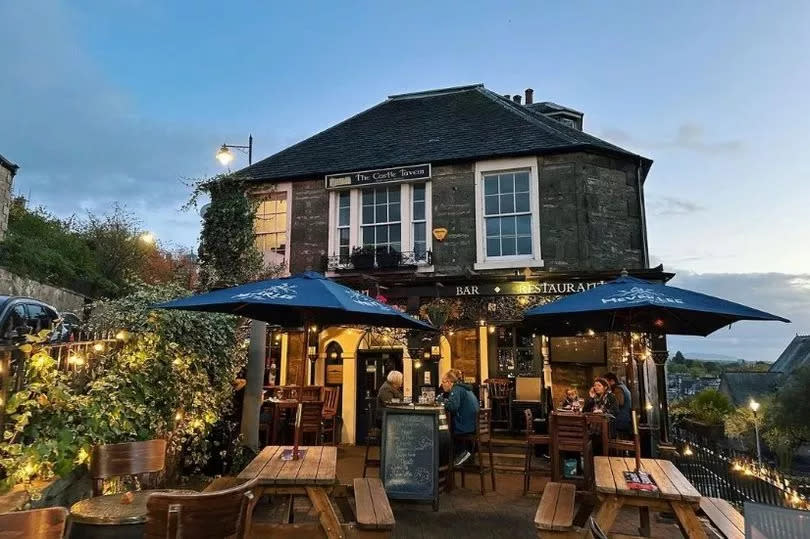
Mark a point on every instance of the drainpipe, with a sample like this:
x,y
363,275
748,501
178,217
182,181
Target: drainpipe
x,y
643,214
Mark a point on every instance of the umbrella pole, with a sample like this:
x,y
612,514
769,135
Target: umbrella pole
x,y
301,374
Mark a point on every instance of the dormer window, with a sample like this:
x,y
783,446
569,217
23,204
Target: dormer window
x,y
567,121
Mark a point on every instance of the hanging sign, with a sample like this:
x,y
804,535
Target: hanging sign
x,y
380,175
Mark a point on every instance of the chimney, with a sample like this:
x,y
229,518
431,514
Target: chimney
x,y
529,96
507,96
516,99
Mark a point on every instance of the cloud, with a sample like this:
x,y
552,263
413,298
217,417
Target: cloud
x,y
668,206
688,136
81,142
783,294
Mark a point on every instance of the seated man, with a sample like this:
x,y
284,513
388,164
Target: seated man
x,y
390,390
462,403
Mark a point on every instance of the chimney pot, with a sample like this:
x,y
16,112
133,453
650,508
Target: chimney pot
x,y
516,99
507,96
529,96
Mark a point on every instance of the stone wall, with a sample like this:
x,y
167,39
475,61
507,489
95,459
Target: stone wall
x,y
589,216
5,198
454,209
309,234
62,299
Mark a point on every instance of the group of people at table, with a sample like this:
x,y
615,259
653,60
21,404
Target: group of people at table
x,y
607,395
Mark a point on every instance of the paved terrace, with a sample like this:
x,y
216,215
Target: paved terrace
x,y
466,513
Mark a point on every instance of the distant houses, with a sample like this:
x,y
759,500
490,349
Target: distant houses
x,y
741,387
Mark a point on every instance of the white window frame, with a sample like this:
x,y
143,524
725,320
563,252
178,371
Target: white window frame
x,y
406,212
285,187
482,168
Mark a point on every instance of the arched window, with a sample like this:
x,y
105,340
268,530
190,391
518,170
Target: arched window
x,y
334,353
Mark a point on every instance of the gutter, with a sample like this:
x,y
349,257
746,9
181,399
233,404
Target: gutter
x,y
643,214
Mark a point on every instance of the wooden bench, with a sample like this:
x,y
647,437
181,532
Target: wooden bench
x,y
724,517
374,514
555,514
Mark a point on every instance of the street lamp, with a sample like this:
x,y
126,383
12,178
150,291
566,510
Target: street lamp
x,y
754,405
225,156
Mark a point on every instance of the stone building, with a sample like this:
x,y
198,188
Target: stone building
x,y
463,205
7,172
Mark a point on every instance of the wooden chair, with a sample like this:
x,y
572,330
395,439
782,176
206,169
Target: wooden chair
x,y
34,524
311,393
287,392
224,513
330,422
311,417
532,440
499,395
130,458
570,432
373,438
482,435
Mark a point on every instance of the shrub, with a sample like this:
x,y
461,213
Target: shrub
x,y
172,378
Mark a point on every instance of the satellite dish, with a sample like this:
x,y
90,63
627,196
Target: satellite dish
x,y
204,209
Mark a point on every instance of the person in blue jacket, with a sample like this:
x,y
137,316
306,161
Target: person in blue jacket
x,y
463,404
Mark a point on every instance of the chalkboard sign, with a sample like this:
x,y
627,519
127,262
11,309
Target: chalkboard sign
x,y
410,454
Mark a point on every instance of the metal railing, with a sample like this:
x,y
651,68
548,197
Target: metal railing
x,y
722,472
378,261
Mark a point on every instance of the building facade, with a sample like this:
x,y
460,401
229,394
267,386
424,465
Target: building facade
x,y
466,207
7,172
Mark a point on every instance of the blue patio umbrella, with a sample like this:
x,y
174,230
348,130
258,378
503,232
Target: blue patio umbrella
x,y
630,304
295,301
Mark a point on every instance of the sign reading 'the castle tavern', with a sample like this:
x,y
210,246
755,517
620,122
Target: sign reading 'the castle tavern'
x,y
380,175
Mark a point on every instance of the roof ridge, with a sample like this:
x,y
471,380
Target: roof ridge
x,y
437,91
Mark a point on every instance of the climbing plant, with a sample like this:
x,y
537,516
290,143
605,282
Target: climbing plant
x,y
227,251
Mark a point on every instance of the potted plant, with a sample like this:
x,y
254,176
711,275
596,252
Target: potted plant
x,y
388,257
362,258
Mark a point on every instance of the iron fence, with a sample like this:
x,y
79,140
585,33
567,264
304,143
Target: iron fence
x,y
720,471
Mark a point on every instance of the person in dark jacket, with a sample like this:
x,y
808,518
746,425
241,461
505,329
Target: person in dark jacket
x,y
463,404
390,391
624,402
600,399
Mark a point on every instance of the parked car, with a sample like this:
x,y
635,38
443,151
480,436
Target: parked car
x,y
71,325
20,316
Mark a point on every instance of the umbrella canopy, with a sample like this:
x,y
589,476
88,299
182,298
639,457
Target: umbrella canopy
x,y
297,300
630,304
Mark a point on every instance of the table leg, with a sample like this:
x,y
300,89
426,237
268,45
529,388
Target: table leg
x,y
607,512
326,513
688,521
276,421
644,521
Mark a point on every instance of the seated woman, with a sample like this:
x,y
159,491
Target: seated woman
x,y
462,403
571,398
600,399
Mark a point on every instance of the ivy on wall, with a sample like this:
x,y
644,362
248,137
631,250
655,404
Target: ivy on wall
x,y
227,251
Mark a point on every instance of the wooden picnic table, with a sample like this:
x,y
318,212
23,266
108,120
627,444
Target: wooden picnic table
x,y
675,494
314,476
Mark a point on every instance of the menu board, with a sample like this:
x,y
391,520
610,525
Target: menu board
x,y
409,456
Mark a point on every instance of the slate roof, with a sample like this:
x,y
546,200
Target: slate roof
x,y
742,386
9,165
795,356
436,126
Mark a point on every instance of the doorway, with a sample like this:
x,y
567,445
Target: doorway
x,y
373,367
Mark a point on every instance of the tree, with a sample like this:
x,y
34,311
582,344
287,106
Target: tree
x,y
678,358
788,423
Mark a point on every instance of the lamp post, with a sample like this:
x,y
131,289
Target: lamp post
x,y
225,156
754,405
